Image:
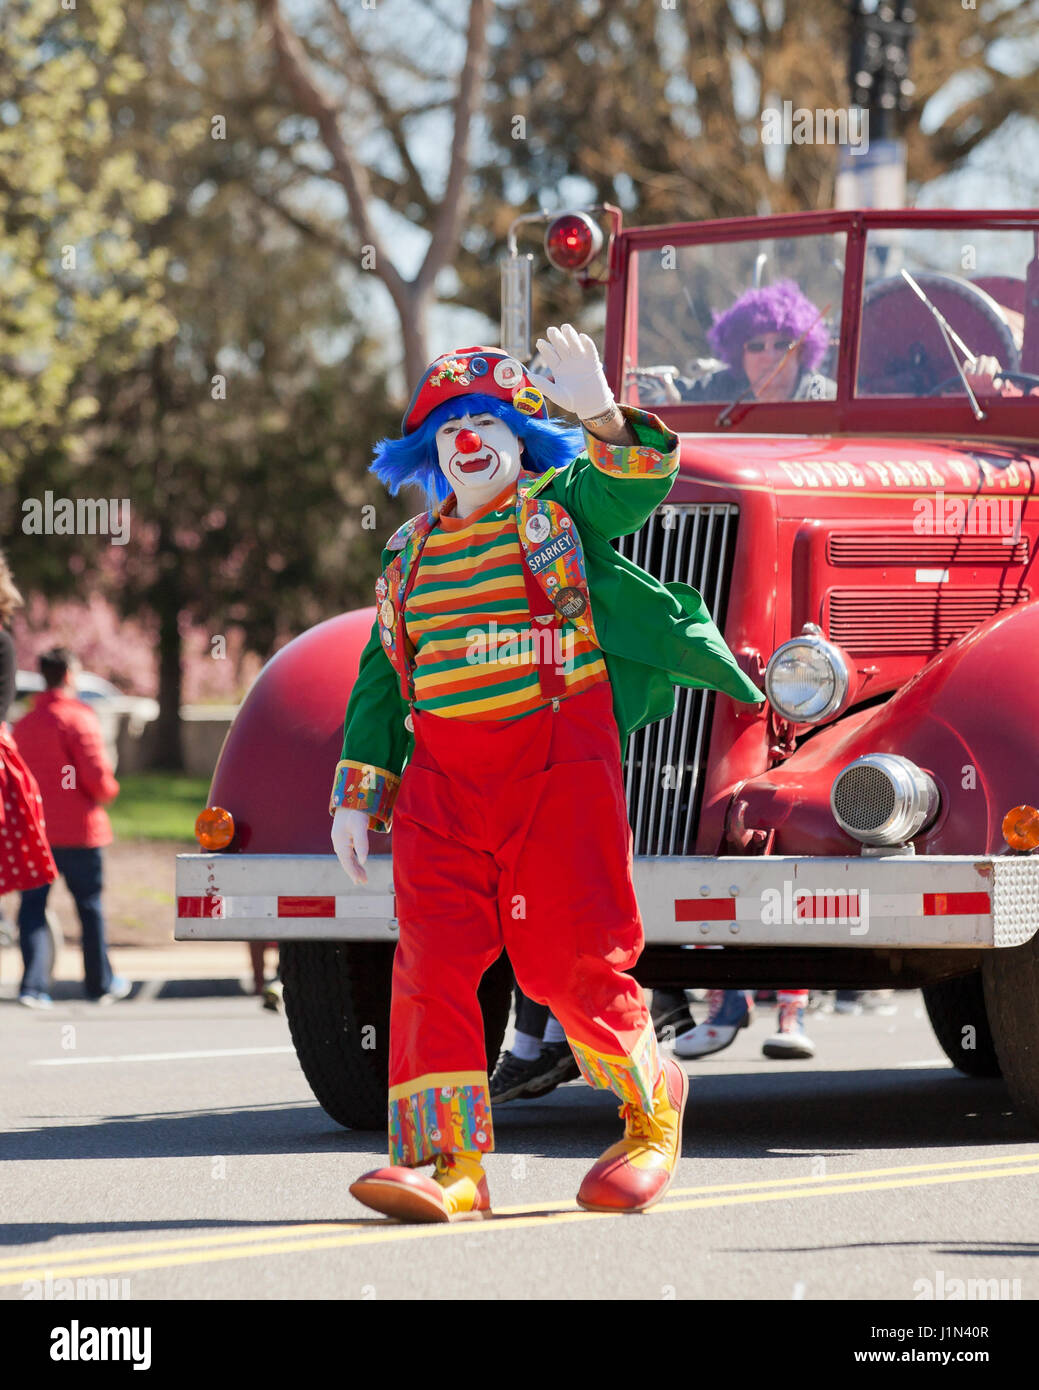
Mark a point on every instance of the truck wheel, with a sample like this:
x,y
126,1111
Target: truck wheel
x,y
1012,997
953,1006
337,1002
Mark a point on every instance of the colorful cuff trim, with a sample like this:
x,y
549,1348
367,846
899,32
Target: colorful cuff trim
x,y
362,787
633,1078
438,1114
636,460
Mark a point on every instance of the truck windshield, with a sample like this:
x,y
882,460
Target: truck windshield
x,y
756,319
976,281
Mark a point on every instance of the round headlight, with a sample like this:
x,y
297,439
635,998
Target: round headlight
x,y
806,679
883,799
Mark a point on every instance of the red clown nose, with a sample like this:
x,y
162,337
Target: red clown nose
x,y
468,442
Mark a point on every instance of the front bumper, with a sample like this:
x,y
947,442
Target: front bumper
x,y
967,901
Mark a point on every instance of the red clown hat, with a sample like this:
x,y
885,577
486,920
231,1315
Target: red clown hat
x,y
473,371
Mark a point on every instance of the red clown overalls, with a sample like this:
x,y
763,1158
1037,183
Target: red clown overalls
x,y
511,834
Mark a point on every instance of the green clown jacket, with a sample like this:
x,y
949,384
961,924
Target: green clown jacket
x,y
653,636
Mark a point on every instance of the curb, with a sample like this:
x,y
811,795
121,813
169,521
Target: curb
x,y
70,992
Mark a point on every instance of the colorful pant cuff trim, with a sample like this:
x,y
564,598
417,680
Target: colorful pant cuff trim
x,y
633,1078
447,1112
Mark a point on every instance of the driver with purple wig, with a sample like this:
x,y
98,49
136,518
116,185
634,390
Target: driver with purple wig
x,y
771,342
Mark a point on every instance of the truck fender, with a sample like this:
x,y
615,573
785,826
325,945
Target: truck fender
x,y
276,767
968,718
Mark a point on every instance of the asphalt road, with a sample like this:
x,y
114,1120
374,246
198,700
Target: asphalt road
x,y
174,1146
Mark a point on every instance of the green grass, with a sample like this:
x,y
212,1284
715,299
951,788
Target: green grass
x,y
158,806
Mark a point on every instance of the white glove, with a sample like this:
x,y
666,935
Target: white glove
x,y
579,384
350,842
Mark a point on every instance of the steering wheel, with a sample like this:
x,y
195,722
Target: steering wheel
x,y
1026,377
893,315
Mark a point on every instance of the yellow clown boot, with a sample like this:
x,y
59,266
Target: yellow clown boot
x,y
456,1191
637,1171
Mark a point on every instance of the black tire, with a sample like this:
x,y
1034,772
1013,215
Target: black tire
x,y
337,1002
953,1006
1012,997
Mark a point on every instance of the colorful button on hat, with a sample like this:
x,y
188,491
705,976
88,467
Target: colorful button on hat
x,y
473,371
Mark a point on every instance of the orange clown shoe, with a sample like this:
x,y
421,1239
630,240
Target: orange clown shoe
x,y
457,1191
637,1171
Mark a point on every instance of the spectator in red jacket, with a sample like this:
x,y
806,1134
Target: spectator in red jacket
x,y
60,740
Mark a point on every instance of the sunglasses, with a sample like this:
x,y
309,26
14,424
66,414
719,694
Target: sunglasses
x,y
759,345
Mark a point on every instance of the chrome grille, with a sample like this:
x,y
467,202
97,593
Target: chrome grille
x,y
664,762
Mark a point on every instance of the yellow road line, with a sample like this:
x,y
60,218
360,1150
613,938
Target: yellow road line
x,y
85,1264
287,1231
811,1178
228,1237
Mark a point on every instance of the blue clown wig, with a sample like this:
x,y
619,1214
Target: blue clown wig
x,y
413,458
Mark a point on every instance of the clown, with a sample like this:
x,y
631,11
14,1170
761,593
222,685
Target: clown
x,y
772,341
513,652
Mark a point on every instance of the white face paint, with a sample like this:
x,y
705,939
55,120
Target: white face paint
x,y
480,474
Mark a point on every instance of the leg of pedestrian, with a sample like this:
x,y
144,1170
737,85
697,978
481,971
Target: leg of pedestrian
x,y
35,947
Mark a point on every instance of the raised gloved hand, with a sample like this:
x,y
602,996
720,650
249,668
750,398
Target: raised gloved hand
x,y
579,384
350,842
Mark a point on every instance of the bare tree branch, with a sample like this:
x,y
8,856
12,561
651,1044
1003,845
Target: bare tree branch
x,y
392,120
346,169
454,205
320,235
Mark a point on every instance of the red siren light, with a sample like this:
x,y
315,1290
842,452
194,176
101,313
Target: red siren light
x,y
572,241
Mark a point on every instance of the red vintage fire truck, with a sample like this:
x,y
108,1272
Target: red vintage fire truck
x,y
868,552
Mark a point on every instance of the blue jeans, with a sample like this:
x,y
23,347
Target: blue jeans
x,y
81,870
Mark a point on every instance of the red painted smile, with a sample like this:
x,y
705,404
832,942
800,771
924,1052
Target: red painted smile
x,y
477,464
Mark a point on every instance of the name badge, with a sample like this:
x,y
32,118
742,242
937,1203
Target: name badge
x,y
547,554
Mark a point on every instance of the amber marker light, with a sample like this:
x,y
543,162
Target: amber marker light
x,y
1021,828
214,828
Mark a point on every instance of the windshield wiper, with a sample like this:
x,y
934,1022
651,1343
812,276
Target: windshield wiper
x,y
949,336
723,417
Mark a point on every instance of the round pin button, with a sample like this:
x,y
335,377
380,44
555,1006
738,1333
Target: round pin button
x,y
386,613
570,602
508,373
528,400
537,528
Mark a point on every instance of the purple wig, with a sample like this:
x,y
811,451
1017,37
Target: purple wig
x,y
778,308
413,458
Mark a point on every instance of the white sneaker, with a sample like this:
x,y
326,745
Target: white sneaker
x,y
791,1042
32,1000
789,1046
705,1038
118,989
729,1012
